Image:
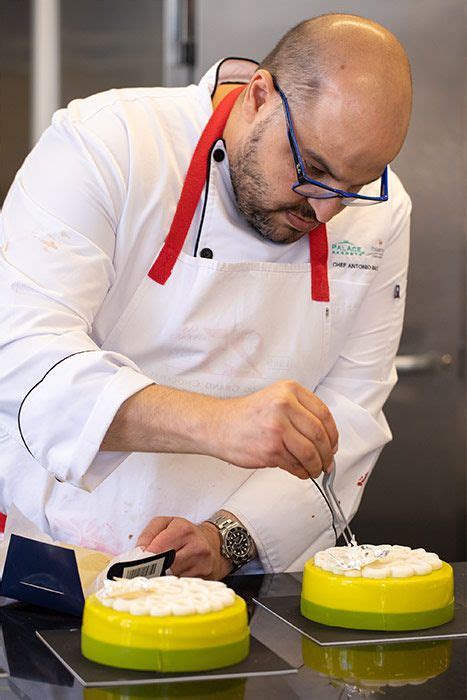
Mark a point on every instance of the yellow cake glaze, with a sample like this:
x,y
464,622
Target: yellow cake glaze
x,y
413,602
175,642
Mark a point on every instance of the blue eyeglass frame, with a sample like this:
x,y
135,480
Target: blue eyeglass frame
x,y
302,178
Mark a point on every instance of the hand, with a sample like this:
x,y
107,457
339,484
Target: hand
x,y
283,425
198,548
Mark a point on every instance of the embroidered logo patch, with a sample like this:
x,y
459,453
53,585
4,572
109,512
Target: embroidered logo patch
x,y
346,248
355,252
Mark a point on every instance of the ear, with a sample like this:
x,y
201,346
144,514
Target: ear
x,y
260,96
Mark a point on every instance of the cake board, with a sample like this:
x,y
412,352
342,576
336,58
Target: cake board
x,y
65,644
287,609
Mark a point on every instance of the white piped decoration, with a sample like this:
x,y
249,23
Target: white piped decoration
x,y
166,595
372,561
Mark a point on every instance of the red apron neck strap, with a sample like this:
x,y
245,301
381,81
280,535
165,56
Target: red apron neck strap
x,y
319,263
195,180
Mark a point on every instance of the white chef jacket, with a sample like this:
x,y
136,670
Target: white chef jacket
x,y
85,215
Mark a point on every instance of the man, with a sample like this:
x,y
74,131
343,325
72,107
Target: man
x,y
182,334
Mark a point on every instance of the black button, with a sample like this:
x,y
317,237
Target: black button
x,y
218,155
206,253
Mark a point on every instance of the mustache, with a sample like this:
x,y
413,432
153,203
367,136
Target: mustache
x,y
304,211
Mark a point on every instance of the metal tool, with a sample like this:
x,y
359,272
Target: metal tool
x,y
335,506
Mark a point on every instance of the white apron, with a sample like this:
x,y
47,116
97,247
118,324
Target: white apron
x,y
224,329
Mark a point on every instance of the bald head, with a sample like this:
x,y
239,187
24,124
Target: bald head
x,y
352,60
347,82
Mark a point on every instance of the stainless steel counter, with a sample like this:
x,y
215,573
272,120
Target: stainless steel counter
x,y
396,671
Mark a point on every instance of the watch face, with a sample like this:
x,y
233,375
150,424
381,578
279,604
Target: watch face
x,y
237,543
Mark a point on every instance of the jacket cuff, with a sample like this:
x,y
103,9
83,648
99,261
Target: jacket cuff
x,y
77,424
294,524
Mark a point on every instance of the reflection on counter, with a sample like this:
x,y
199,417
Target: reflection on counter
x,y
233,689
27,657
363,670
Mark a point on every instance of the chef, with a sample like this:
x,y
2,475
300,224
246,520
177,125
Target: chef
x,y
202,295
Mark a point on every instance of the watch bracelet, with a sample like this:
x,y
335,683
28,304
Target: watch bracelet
x,y
222,522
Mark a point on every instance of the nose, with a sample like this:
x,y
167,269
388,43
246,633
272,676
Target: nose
x,y
325,209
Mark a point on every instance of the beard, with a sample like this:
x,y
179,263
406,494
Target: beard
x,y
251,193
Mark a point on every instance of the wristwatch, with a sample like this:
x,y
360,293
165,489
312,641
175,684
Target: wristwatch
x,y
237,545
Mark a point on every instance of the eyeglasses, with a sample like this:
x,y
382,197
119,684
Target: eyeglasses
x,y
314,189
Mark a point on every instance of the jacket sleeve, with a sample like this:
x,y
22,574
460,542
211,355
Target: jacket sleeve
x,y
59,392
289,518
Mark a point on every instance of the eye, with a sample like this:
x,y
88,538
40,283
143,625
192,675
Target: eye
x,y
313,169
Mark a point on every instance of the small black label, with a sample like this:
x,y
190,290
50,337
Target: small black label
x,y
151,566
397,291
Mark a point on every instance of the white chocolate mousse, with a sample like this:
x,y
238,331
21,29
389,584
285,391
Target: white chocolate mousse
x,y
165,595
383,561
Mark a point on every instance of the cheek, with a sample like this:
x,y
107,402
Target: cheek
x,y
275,169
279,177
275,160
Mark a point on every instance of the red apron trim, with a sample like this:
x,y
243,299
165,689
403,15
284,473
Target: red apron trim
x,y
319,263
195,181
192,188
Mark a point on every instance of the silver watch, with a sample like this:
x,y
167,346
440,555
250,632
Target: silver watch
x,y
237,545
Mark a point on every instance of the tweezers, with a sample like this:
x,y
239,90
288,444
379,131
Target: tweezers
x,y
335,506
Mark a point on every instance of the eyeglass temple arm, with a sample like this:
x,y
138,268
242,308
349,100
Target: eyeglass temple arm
x,y
384,183
299,165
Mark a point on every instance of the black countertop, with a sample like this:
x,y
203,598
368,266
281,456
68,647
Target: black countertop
x,y
31,671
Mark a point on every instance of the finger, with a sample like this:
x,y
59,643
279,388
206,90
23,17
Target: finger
x,y
313,430
152,529
195,558
319,409
174,536
291,465
304,452
179,565
298,471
